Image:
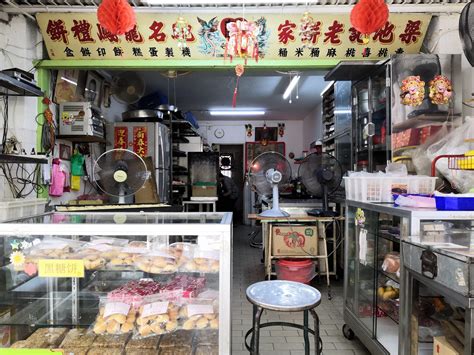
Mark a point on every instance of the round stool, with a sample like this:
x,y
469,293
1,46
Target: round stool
x,y
283,296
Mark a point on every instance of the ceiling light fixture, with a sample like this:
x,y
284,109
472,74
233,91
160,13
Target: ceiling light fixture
x,y
291,86
236,112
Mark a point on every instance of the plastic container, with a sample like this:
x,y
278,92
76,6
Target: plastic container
x,y
454,203
299,270
380,188
19,208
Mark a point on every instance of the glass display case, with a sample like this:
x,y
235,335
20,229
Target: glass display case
x,y
371,121
130,282
374,286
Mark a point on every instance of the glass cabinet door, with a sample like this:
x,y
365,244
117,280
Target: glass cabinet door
x,y
360,294
360,111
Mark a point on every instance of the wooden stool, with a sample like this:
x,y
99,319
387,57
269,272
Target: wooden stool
x,y
283,296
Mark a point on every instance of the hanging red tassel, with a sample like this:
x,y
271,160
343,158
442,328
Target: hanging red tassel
x,y
116,16
234,98
239,71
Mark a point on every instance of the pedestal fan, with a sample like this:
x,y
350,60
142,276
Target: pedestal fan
x,y
267,173
321,175
120,173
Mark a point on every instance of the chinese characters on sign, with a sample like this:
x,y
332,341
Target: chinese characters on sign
x,y
140,141
121,138
60,268
280,36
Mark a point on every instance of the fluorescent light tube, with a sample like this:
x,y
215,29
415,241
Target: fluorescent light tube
x,y
68,80
237,113
291,86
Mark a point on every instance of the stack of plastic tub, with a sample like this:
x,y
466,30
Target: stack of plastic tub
x,y
380,187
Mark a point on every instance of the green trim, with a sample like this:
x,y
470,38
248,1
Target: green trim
x,y
43,79
185,64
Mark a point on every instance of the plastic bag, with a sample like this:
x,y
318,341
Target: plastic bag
x,y
156,316
419,156
58,180
206,261
396,169
114,318
157,262
77,164
455,142
391,262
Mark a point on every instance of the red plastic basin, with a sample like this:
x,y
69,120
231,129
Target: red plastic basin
x,y
299,270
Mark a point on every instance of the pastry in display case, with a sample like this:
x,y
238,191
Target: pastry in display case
x,y
106,283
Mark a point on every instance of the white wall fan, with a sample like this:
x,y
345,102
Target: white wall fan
x,y
268,173
120,173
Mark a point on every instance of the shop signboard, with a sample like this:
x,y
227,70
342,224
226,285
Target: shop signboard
x,y
79,36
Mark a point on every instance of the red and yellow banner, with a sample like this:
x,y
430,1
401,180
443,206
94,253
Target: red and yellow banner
x,y
121,137
140,141
79,36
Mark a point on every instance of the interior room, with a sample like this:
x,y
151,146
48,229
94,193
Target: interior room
x,y
254,177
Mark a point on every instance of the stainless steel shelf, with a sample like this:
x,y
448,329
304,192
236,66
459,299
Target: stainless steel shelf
x,y
22,159
12,87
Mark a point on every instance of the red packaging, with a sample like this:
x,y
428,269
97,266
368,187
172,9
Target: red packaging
x,y
407,138
184,286
427,132
133,292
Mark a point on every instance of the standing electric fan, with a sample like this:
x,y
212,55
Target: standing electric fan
x,y
120,173
321,175
267,173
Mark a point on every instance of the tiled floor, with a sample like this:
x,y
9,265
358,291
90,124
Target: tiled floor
x,y
279,341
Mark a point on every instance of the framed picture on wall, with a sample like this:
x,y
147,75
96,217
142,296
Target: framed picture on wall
x,y
254,149
64,152
67,86
93,88
266,133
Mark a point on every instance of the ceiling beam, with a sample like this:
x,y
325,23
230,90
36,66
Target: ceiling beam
x,y
14,8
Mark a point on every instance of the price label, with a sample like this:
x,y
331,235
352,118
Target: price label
x,y
60,268
32,352
194,309
116,308
152,309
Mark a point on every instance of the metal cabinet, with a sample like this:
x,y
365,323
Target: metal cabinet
x,y
379,319
371,121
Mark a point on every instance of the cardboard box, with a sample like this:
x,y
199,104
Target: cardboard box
x,y
204,191
442,347
291,240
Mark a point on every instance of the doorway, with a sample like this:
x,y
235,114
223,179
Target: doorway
x,y
234,170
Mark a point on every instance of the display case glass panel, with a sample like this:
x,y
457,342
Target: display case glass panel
x,y
65,271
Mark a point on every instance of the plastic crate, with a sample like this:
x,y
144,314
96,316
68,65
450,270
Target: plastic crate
x,y
453,203
19,208
380,188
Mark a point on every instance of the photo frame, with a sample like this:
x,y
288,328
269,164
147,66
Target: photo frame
x,y
67,86
64,152
269,133
93,88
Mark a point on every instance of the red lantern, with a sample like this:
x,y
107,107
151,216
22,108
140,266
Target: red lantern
x,y
369,16
116,16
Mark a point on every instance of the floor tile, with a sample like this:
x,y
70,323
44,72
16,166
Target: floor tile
x,y
282,340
